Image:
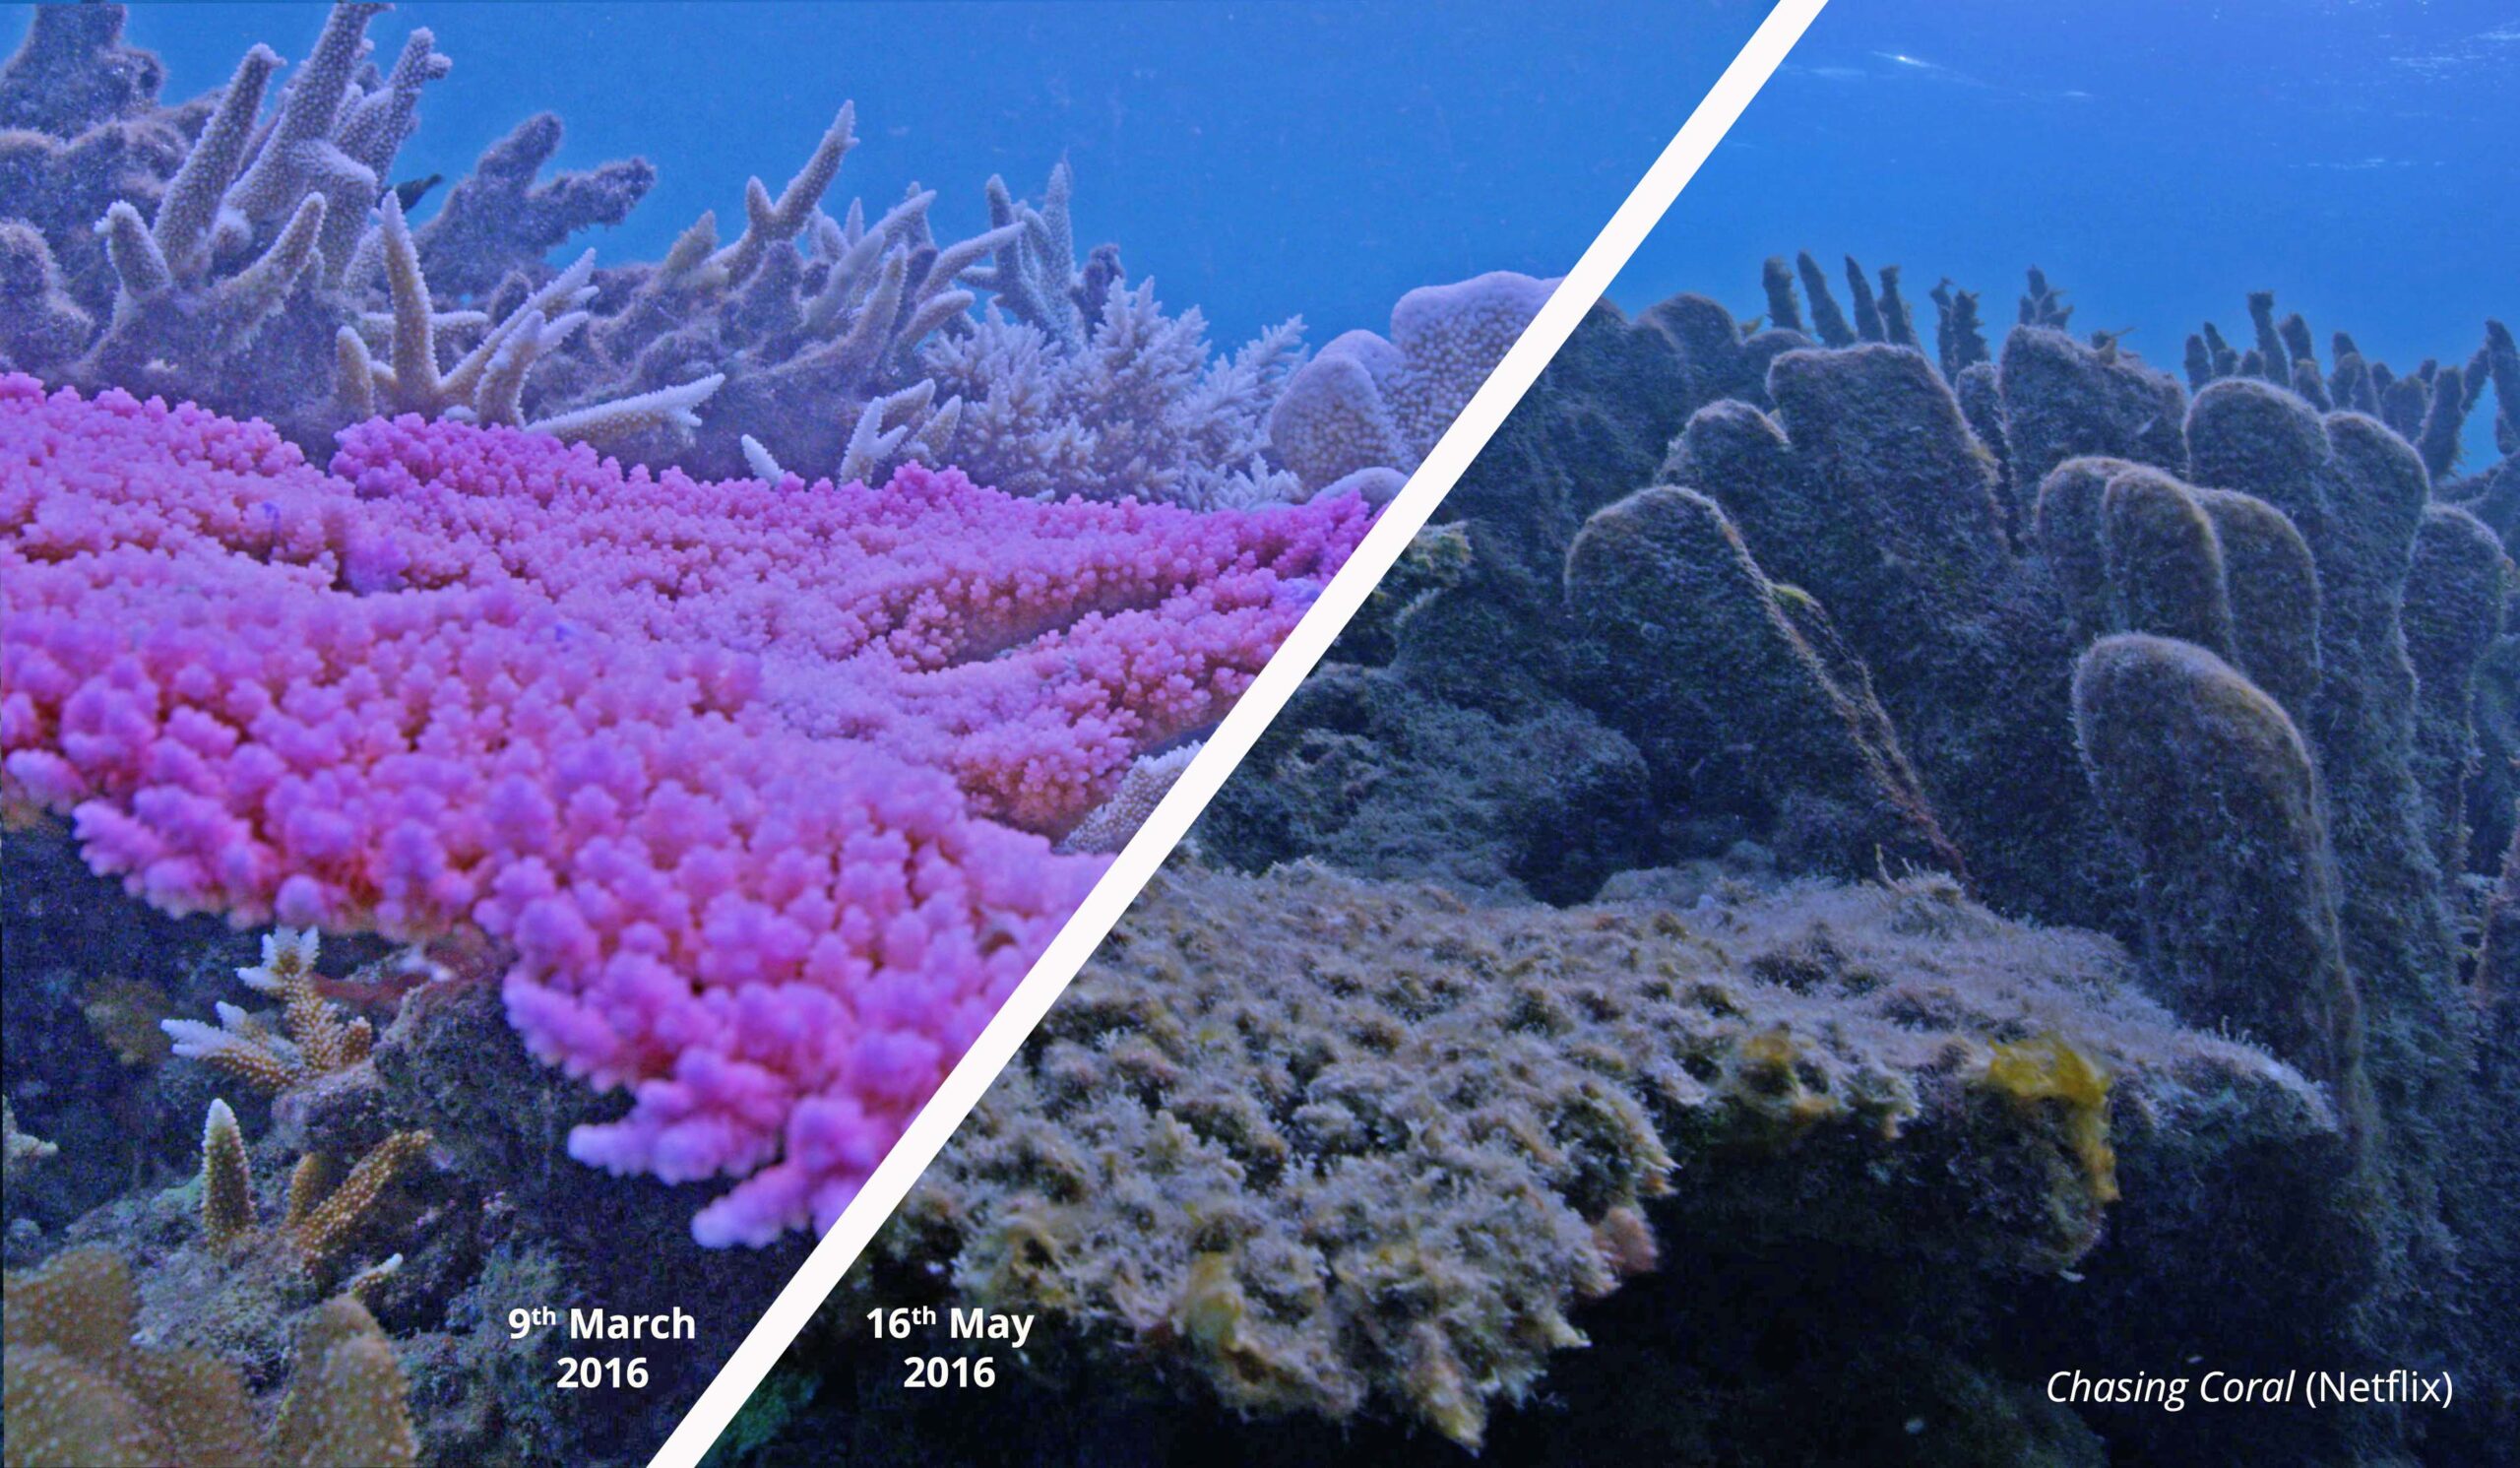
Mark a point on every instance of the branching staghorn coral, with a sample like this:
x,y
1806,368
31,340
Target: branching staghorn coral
x,y
500,221
245,274
313,1038
229,249
81,1391
811,341
326,1208
487,384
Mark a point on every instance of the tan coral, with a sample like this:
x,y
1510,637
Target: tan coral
x,y
18,1149
227,1178
325,1209
346,1397
322,1220
314,1039
80,1391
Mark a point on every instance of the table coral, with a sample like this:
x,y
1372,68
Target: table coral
x,y
758,780
1357,1149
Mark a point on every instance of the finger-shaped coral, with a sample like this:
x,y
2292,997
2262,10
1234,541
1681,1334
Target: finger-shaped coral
x,y
346,1400
80,1391
72,72
42,327
2164,561
1727,698
2456,587
2212,788
2062,400
227,1178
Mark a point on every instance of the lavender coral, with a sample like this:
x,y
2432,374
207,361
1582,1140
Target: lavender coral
x,y
1371,406
475,678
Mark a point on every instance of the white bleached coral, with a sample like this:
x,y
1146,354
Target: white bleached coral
x,y
1369,404
1140,409
487,384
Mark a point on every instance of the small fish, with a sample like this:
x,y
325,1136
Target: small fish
x,y
411,191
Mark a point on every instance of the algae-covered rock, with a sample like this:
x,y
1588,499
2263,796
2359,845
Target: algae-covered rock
x,y
1305,1144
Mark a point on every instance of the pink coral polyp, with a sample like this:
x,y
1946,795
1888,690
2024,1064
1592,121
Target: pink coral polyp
x,y
758,785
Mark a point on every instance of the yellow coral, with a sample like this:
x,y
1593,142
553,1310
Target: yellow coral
x,y
325,1208
78,1390
323,1225
1767,1086
344,1389
2048,1068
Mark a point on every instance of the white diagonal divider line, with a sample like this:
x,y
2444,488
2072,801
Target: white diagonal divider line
x,y
1170,820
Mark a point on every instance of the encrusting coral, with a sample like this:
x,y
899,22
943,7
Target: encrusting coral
x,y
81,1391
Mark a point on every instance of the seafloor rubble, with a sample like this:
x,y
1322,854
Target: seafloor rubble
x,y
1842,881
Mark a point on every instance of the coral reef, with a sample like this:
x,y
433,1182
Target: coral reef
x,y
313,1039
260,265
435,689
1359,1150
2045,652
1365,410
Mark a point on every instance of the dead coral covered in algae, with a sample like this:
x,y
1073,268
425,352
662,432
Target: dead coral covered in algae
x,y
1354,1148
2209,694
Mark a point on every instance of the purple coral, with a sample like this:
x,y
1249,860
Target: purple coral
x,y
756,781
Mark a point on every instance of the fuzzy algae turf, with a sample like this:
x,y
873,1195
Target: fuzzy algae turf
x,y
1344,1147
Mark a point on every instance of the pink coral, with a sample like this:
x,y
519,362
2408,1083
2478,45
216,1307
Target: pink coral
x,y
758,780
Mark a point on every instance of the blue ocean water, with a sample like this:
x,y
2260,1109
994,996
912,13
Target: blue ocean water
x,y
2159,159
1257,160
